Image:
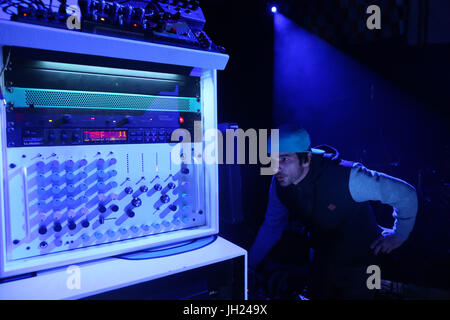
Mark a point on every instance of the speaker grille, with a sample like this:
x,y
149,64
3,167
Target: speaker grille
x,y
99,100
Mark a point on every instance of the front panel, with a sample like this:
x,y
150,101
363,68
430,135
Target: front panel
x,y
96,170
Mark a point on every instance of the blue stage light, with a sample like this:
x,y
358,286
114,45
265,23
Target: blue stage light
x,y
274,9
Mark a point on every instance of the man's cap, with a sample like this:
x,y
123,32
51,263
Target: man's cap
x,y
293,139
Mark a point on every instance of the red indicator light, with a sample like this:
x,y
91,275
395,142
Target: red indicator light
x,y
24,14
181,120
151,119
92,118
135,25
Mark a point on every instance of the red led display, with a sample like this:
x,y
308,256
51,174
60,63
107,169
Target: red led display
x,y
101,135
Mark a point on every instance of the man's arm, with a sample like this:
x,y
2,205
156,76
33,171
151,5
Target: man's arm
x,y
368,185
270,232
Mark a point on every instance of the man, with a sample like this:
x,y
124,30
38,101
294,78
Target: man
x,y
330,197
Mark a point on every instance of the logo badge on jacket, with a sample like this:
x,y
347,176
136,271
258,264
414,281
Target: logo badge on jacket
x,y
331,207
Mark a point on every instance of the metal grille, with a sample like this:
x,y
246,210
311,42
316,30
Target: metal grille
x,y
100,100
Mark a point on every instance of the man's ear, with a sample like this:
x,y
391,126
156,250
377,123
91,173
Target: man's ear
x,y
308,161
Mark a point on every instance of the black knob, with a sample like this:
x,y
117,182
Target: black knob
x,y
130,213
136,202
143,188
171,185
64,136
129,190
102,208
85,223
173,207
72,225
42,230
115,207
158,187
164,198
184,170
67,118
57,227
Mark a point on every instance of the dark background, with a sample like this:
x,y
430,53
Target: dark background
x,y
383,103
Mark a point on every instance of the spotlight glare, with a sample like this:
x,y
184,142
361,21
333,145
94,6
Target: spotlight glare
x,y
274,9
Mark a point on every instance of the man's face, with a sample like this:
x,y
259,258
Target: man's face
x,y
289,169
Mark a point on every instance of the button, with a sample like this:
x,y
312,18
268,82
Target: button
x,y
145,227
102,208
101,175
123,231
115,208
42,230
54,164
71,213
110,233
128,190
100,163
85,237
83,186
143,188
57,227
101,186
71,188
156,226
83,162
164,198
166,224
69,165
43,245
184,170
57,215
157,187
98,235
173,207
55,178
85,223
136,202
171,185
112,161
72,225
134,229
71,202
112,173
40,166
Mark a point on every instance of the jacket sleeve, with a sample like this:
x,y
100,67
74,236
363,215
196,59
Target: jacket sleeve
x,y
365,185
272,228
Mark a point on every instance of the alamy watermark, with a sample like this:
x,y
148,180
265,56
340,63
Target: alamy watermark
x,y
211,150
74,279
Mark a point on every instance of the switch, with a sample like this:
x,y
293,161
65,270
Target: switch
x,y
130,213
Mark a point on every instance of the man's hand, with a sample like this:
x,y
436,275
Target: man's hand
x,y
387,242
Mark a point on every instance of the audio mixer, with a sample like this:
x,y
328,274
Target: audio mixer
x,y
87,160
